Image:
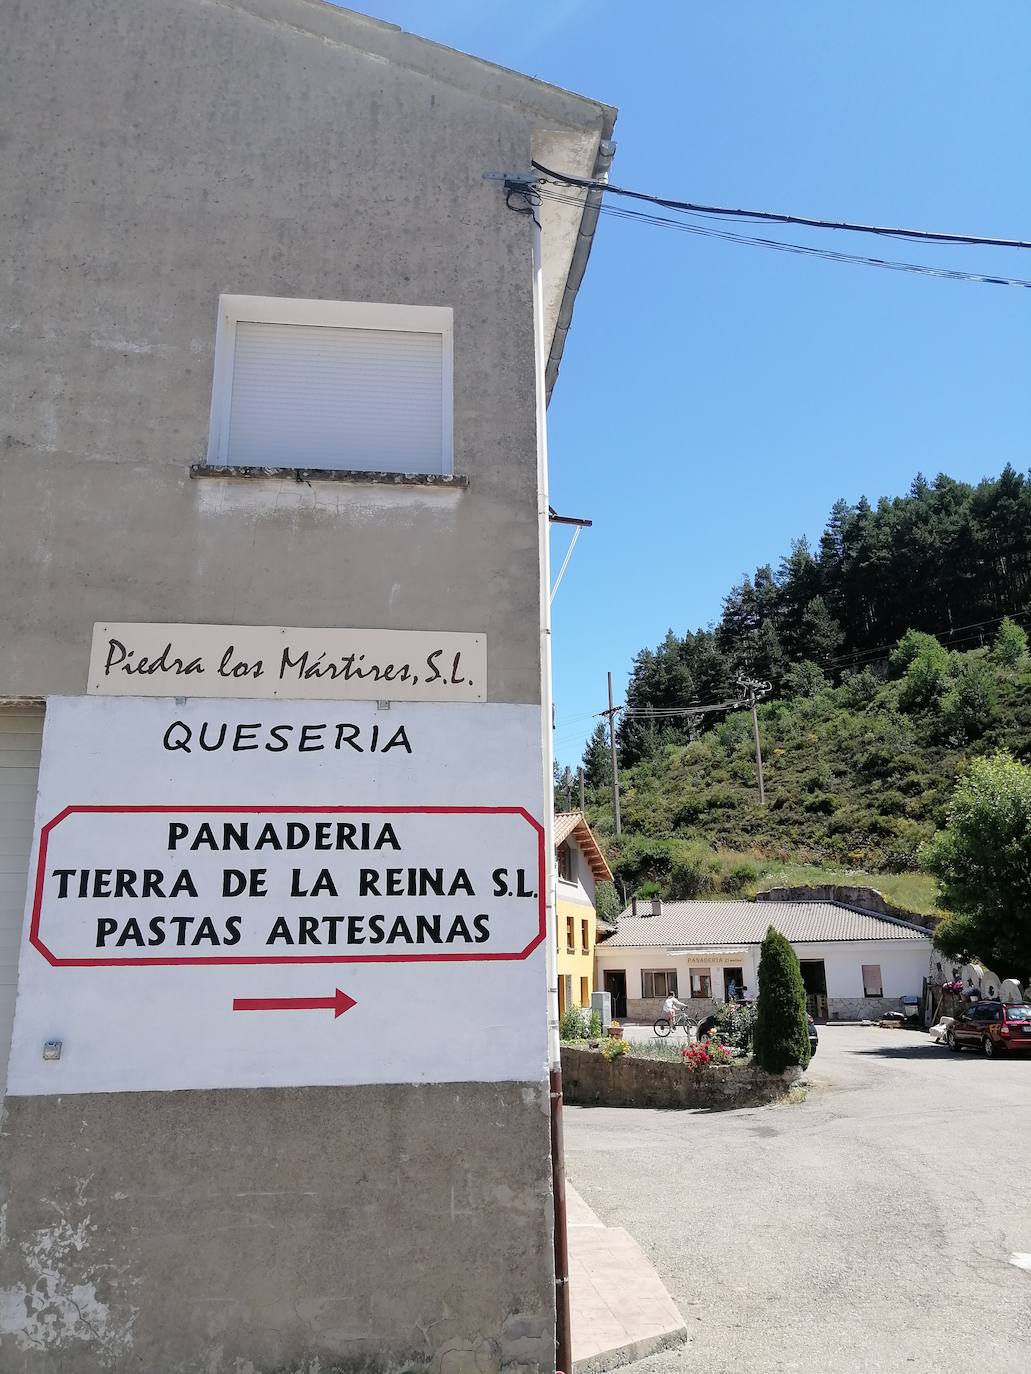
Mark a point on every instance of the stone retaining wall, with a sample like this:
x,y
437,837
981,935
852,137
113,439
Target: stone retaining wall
x,y
860,1008
861,898
591,1080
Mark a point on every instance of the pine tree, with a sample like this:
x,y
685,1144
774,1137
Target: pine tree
x,y
819,634
781,1026
597,758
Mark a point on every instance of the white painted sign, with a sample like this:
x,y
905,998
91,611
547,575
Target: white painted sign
x,y
226,895
275,661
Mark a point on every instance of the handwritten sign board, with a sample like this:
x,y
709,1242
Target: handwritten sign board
x,y
215,884
276,661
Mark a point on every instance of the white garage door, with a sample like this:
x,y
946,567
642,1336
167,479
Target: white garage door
x,y
21,733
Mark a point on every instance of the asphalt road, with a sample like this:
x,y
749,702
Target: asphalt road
x,y
867,1229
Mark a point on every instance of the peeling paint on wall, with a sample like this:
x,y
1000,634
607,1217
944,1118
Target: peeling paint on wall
x,y
61,1299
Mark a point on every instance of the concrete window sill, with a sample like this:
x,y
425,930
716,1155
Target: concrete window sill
x,y
388,479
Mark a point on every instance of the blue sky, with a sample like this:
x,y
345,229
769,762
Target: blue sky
x,y
716,399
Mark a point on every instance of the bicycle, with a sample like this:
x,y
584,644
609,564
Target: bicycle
x,y
682,1021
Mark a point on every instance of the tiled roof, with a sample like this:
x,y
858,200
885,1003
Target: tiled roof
x,y
574,823
565,824
698,924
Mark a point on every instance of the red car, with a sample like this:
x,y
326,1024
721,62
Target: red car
x,y
995,1027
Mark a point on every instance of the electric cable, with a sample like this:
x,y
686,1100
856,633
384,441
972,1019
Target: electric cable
x,y
804,250
769,216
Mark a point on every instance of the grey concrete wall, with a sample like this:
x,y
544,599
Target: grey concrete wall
x,y
282,1230
159,154
155,155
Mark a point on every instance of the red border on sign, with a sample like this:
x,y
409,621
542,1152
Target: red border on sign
x,y
137,961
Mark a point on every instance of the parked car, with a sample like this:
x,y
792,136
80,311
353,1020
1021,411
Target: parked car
x,y
814,1039
994,1027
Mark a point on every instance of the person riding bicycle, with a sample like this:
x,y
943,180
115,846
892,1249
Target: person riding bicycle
x,y
670,1007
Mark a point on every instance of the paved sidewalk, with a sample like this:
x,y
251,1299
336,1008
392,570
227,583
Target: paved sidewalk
x,y
621,1312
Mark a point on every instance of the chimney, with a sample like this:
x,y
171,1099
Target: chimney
x,y
656,906
633,906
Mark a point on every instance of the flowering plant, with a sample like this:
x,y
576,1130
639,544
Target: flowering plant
x,y
614,1047
707,1054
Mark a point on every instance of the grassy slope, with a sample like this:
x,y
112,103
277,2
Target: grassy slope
x,y
853,788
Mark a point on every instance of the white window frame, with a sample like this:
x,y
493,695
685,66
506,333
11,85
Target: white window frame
x,y
409,319
669,974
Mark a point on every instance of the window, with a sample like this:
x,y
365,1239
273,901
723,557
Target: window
x,y
585,992
701,982
872,985
585,937
565,862
570,934
332,384
659,983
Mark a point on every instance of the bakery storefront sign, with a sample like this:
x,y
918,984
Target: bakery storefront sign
x,y
142,885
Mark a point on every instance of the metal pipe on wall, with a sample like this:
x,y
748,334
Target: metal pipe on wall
x,y
563,1334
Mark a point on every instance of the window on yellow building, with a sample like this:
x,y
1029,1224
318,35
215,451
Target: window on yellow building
x,y
585,936
585,992
570,934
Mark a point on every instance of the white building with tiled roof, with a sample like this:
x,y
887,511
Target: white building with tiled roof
x,y
854,963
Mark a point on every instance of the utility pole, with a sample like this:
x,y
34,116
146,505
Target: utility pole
x,y
580,780
751,690
611,713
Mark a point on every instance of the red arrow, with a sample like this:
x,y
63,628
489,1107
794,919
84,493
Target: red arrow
x,y
337,1004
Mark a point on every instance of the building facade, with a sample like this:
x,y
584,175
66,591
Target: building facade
x,y
272,360
580,867
855,964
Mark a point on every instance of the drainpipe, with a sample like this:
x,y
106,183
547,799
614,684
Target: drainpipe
x,y
563,1335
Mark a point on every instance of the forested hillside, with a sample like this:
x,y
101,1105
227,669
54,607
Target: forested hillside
x,y
863,735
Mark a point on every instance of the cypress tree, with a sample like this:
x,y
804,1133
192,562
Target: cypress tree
x,y
781,1035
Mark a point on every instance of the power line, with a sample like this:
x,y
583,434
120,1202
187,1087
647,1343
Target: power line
x,y
949,634
768,216
801,249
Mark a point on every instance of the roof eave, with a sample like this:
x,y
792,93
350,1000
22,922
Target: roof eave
x,y
581,251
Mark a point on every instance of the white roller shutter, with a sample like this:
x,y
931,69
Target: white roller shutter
x,y
21,734
322,397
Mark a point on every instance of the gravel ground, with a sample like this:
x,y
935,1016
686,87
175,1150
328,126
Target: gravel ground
x,y
867,1229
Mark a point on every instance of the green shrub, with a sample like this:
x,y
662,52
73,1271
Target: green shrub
x,y
736,1023
594,1033
1010,647
859,689
924,678
910,647
969,705
738,877
781,1035
690,876
804,679
571,1024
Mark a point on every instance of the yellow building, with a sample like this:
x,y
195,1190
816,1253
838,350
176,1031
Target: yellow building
x,y
581,865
